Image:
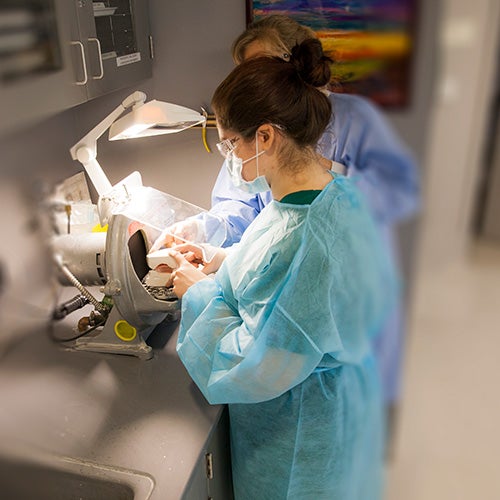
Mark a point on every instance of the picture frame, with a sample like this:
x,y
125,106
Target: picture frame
x,y
371,42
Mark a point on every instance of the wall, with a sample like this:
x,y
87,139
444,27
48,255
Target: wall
x,y
412,123
192,41
468,43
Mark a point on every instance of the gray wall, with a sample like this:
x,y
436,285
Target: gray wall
x,y
469,37
192,41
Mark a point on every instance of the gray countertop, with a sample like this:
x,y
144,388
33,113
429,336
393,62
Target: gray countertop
x,y
113,410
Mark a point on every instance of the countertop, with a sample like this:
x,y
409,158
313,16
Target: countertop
x,y
114,410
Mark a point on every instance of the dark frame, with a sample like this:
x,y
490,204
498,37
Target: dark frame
x,y
371,42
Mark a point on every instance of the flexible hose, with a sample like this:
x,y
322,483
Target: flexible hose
x,y
61,311
74,281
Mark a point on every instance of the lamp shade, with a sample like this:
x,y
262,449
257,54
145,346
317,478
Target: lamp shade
x,y
154,118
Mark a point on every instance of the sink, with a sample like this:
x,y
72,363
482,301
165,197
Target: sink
x,y
49,477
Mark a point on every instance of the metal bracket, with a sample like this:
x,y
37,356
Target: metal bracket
x,y
107,341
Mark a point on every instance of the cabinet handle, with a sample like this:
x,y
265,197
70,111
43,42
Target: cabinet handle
x,y
99,52
209,465
85,76
151,47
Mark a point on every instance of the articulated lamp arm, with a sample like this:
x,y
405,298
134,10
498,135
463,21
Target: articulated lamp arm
x,y
85,151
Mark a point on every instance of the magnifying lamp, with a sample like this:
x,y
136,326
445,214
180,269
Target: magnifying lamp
x,y
142,120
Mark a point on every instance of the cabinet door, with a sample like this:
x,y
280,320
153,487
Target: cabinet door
x,y
197,488
218,461
39,61
117,39
211,478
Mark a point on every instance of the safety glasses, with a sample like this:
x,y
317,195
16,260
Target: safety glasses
x,y
227,146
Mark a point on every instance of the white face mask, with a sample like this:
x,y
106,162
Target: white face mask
x,y
235,167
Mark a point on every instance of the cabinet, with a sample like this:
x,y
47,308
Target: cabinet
x,y
114,44
55,54
211,479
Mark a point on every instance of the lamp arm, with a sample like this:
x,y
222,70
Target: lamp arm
x,y
85,150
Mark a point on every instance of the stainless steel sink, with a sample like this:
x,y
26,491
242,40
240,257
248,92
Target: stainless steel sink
x,y
48,477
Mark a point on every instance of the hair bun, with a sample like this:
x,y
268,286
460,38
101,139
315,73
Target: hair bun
x,y
311,63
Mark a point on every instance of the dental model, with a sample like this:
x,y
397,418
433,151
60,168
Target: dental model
x,y
163,256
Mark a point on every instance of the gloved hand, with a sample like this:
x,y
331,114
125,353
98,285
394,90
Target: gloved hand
x,y
182,275
189,230
185,274
206,257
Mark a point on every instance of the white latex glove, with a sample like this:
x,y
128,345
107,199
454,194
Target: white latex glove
x,y
185,274
190,230
197,255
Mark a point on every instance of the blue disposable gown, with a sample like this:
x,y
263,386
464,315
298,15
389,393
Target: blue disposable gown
x,y
282,334
359,138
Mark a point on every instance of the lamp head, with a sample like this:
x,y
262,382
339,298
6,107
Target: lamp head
x,y
154,118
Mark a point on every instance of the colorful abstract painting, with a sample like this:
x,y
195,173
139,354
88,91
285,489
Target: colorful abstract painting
x,y
370,42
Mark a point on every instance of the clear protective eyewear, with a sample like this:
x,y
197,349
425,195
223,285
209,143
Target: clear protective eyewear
x,y
227,146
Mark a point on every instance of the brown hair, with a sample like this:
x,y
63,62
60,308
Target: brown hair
x,y
281,32
271,90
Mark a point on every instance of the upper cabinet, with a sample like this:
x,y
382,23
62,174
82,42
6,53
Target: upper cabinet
x,y
116,42
55,54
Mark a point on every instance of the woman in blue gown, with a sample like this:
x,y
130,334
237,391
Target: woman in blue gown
x,y
282,332
363,146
